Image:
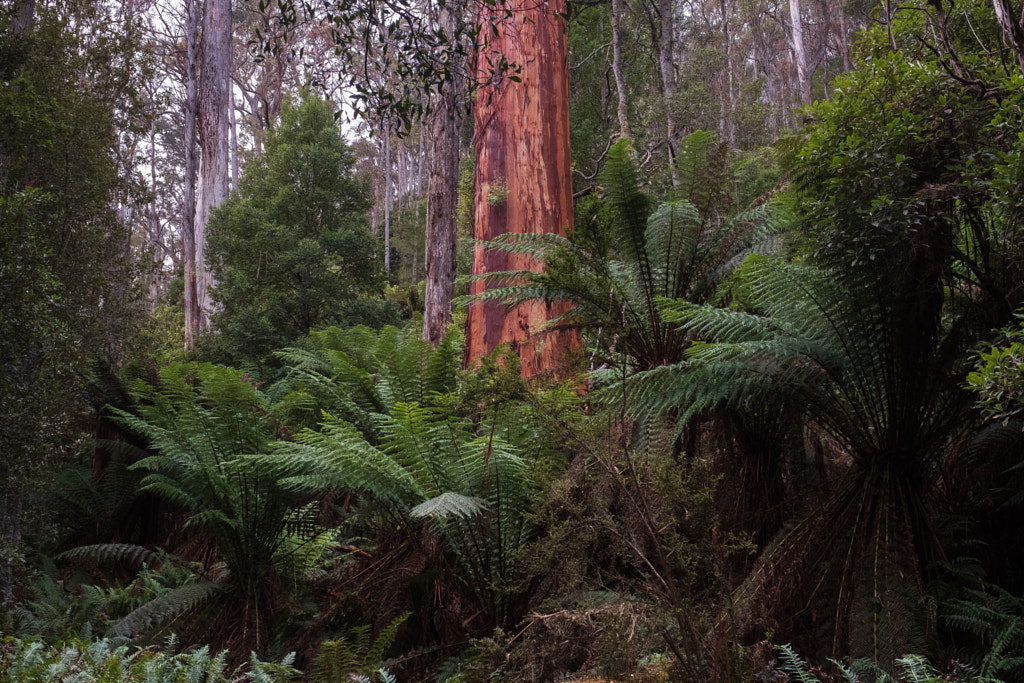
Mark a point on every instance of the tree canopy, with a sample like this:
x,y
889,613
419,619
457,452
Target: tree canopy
x,y
291,250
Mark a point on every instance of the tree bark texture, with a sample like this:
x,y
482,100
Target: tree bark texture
x,y
387,198
443,199
523,180
1013,33
214,135
193,313
799,54
666,60
620,79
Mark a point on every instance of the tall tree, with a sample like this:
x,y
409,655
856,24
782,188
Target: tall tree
x,y
523,177
214,123
291,251
442,232
190,247
799,54
71,74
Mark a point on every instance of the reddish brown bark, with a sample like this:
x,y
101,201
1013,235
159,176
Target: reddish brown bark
x,y
523,177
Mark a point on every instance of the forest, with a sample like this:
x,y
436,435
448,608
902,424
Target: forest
x,y
460,341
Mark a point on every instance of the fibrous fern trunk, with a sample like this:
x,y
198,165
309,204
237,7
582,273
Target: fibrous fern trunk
x,y
523,177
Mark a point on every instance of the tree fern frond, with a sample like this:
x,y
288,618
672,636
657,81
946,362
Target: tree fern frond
x,y
449,504
167,606
136,555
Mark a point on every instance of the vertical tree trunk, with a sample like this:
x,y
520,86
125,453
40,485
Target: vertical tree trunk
x,y
1013,33
666,60
620,79
193,315
728,103
24,18
387,198
419,166
214,135
156,237
523,178
844,43
443,196
234,139
797,40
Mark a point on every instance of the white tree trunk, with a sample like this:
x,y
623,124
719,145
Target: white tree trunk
x,y
387,198
214,135
799,55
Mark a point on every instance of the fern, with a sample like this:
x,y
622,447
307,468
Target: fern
x,y
471,489
358,656
680,249
163,608
879,375
206,427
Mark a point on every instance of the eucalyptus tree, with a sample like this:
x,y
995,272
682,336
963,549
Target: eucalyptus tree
x,y
627,251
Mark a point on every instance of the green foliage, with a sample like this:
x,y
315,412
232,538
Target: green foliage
x,y
629,252
908,669
471,489
110,661
70,87
63,608
206,426
359,375
358,656
989,623
291,251
997,375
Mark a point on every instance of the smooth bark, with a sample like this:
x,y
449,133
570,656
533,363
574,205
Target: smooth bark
x,y
214,136
799,54
620,79
387,199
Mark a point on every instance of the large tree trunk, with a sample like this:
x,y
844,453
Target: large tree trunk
x,y
443,197
799,55
523,181
214,135
193,314
1013,33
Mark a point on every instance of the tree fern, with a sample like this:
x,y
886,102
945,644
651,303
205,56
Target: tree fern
x,y
206,427
471,489
358,375
680,249
880,375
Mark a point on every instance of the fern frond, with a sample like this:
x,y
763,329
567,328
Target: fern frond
x,y
136,555
165,607
449,504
